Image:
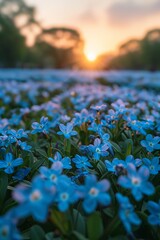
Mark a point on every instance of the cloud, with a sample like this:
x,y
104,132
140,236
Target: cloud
x,y
88,16
122,13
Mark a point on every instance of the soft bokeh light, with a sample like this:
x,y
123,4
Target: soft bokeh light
x,y
91,56
103,24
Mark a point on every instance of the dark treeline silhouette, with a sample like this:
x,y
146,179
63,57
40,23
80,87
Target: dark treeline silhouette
x,y
56,47
139,54
63,47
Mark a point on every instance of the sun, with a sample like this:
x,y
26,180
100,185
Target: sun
x,y
91,56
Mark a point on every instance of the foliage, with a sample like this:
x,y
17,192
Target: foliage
x,y
139,54
79,161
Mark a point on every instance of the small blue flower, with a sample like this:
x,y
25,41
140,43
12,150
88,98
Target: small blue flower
x,y
24,146
118,166
66,161
137,181
18,134
42,127
154,210
126,213
9,163
98,149
96,128
81,162
151,143
94,193
8,229
21,174
153,165
82,117
100,107
33,200
115,165
67,131
52,176
66,195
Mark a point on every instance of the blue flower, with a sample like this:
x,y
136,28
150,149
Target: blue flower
x,y
6,140
81,161
42,127
9,163
18,134
24,146
66,161
151,143
118,166
94,193
126,213
21,174
130,159
115,166
67,131
153,165
33,200
8,229
96,128
137,181
66,194
82,117
98,149
52,176
100,107
154,210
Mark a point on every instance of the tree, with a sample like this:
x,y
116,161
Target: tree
x,y
150,49
67,45
12,43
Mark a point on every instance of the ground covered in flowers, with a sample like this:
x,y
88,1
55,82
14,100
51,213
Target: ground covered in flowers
x,y
79,155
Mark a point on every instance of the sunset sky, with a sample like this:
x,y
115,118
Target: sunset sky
x,y
104,24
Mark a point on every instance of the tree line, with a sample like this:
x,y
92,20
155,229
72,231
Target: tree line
x,y
56,47
138,54
63,47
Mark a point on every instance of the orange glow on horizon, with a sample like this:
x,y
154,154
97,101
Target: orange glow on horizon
x,y
91,56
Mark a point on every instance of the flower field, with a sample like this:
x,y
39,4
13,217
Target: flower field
x,y
79,155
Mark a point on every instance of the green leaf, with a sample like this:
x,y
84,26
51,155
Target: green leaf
x,y
101,167
78,222
94,226
129,145
37,233
79,236
109,212
116,147
41,152
37,165
61,221
3,186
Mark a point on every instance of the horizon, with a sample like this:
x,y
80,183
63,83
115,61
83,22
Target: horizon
x,y
103,26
